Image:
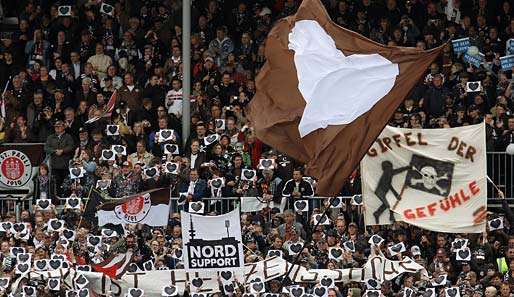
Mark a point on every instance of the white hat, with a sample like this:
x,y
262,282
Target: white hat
x,y
265,11
415,250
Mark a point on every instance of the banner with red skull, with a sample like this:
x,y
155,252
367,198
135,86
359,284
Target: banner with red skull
x,y
432,178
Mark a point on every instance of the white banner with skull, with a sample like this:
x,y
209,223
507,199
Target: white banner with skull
x,y
432,178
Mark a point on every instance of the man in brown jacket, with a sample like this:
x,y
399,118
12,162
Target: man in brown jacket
x,y
130,93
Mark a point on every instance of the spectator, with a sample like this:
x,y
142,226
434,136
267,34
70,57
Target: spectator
x,y
59,147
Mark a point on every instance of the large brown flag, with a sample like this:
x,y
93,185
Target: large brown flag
x,y
333,151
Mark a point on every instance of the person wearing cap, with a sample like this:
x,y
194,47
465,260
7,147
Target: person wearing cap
x,y
415,252
60,147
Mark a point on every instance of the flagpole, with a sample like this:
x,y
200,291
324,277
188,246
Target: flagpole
x,y
85,207
325,213
2,107
186,63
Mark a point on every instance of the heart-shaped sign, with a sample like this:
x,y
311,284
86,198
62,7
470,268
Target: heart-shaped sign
x,y
81,281
297,291
408,292
55,263
376,240
171,149
177,254
474,86
44,203
372,284
108,155
247,174
73,202
429,292
151,172
19,227
226,275
58,257
55,225
257,287
320,291
75,172
274,253
336,253
208,140
135,292
357,200
85,268
196,206
64,10
22,258
94,240
109,233
463,255
17,250
148,265
216,183
171,167
327,282
229,288
495,224
83,292
372,293
197,282
6,226
70,293
439,280
349,246
220,124
107,9
321,219
22,268
335,202
295,248
397,248
458,243
119,149
53,284
452,292
132,267
29,290
301,205
113,130
4,282
266,163
68,234
40,265
166,134
169,291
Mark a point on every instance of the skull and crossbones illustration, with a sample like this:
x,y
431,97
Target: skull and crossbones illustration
x,y
429,179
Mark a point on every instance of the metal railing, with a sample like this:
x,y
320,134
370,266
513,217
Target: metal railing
x,y
500,169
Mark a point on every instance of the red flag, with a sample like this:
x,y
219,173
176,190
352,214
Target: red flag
x,y
115,266
331,146
108,108
111,103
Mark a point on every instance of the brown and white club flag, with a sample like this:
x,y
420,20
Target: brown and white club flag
x,y
325,93
151,208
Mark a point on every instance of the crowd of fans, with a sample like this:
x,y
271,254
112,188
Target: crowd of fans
x,y
61,70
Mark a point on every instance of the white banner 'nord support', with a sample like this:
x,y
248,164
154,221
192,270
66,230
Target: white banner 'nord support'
x,y
432,178
212,242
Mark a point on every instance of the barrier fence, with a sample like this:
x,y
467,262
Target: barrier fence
x,y
500,168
